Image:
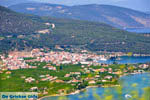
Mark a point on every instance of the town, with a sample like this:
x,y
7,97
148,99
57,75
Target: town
x,y
60,72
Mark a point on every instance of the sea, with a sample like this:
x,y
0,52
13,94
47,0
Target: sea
x,y
128,60
138,30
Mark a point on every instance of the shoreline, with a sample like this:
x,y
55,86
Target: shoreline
x,y
78,91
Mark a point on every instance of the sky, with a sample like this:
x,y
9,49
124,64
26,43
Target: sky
x,y
141,5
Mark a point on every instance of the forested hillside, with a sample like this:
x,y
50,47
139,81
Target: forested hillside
x,y
20,31
12,22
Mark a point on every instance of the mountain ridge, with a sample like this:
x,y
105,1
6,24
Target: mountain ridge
x,y
112,15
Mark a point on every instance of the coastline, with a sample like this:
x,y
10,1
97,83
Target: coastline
x,y
94,86
78,91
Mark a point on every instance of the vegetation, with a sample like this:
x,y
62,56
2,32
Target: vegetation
x,y
19,31
15,81
13,23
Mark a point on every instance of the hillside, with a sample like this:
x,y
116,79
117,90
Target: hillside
x,y
71,33
112,15
12,22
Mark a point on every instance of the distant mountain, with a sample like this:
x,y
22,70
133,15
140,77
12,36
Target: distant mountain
x,y
141,5
26,31
112,15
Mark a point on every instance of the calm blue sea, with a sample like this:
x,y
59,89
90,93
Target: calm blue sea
x,y
129,60
140,30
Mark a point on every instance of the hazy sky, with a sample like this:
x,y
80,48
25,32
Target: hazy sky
x,y
143,5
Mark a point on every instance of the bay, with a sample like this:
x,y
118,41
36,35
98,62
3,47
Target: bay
x,y
128,60
138,30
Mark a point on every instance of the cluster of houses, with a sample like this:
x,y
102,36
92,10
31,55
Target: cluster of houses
x,y
29,80
66,57
47,77
15,60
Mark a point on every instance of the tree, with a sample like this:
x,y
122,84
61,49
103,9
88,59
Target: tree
x,y
61,68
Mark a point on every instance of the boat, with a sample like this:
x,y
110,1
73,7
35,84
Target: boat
x,y
127,96
103,59
118,58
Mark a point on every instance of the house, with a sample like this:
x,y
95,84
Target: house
x,y
110,70
59,81
23,77
141,71
82,66
76,73
108,77
97,76
33,88
1,72
75,81
65,62
47,75
29,80
50,67
118,72
48,24
44,31
85,62
144,66
92,82
104,81
42,76
103,69
104,65
87,71
61,90
33,67
8,72
45,92
67,75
